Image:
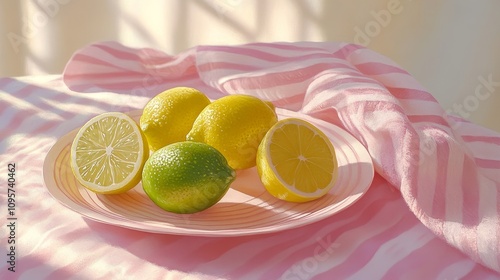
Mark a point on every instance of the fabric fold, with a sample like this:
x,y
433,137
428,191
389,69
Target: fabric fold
x,y
444,167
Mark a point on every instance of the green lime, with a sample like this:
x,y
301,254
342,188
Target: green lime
x,y
186,177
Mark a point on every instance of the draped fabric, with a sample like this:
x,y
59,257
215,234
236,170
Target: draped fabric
x,y
432,211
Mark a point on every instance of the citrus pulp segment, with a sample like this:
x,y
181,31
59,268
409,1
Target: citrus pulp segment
x,y
108,153
296,161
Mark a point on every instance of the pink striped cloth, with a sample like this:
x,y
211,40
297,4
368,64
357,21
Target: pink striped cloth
x,y
432,211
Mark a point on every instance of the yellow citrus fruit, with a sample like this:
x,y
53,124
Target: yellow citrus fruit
x,y
296,161
108,153
234,125
169,116
186,177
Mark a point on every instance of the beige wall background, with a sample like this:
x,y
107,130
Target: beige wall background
x,y
451,46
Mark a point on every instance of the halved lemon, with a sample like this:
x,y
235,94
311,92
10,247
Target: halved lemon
x,y
296,161
108,153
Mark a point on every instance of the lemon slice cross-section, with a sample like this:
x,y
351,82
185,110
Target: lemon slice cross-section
x,y
108,153
296,161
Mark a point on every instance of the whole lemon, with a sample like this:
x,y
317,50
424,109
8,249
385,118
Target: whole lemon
x,y
234,125
169,116
186,177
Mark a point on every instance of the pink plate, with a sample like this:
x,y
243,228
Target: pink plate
x,y
246,209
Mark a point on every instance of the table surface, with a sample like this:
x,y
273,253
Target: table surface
x,y
52,242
